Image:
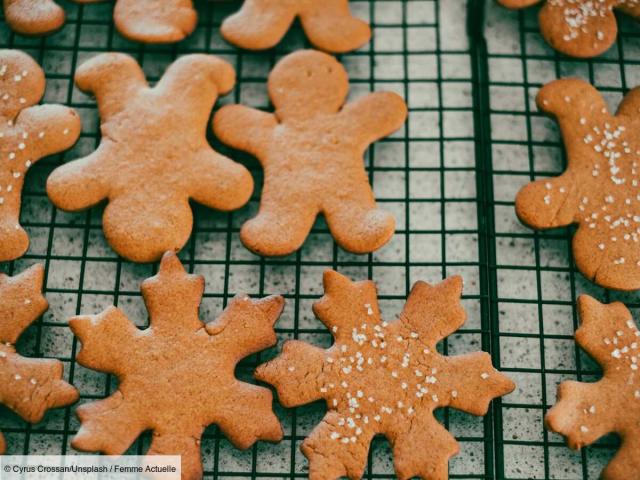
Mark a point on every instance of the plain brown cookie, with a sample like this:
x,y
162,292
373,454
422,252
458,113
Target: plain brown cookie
x,y
599,190
579,28
154,155
33,17
312,151
153,21
28,386
27,134
177,376
384,378
328,24
587,411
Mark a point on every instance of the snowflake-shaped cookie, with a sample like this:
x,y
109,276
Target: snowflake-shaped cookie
x,y
587,411
28,132
328,24
384,377
153,21
177,376
153,155
28,386
580,28
599,191
311,149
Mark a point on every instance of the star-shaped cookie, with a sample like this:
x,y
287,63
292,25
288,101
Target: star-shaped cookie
x,y
28,386
384,378
154,155
587,411
177,376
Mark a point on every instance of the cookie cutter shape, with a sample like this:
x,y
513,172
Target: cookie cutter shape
x,y
154,155
579,28
28,132
599,190
177,376
584,411
28,386
312,151
383,378
328,24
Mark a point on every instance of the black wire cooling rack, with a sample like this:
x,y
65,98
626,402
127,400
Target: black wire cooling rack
x,y
469,71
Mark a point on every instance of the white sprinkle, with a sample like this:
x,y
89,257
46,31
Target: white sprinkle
x,y
484,375
17,376
454,394
41,135
21,146
292,368
33,381
583,429
65,131
27,301
592,409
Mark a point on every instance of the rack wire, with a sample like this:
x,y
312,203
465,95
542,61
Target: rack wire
x,y
468,71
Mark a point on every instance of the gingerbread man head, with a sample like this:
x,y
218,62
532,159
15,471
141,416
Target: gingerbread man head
x,y
308,85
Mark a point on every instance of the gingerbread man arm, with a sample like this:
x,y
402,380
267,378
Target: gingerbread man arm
x,y
596,35
330,26
55,127
114,78
548,203
30,17
296,373
154,21
259,24
244,128
373,116
195,81
630,105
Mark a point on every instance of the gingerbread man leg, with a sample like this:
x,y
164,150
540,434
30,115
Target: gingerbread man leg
x,y
155,21
356,223
331,27
33,17
625,461
283,222
259,24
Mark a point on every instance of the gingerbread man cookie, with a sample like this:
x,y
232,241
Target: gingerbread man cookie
x,y
588,411
599,190
153,21
328,24
33,17
27,134
384,378
28,386
579,28
177,376
154,155
312,150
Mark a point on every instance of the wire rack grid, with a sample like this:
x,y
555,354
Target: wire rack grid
x,y
468,71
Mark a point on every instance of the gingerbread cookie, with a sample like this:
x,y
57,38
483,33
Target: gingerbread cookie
x,y
599,190
384,378
328,24
579,28
587,411
153,21
311,150
27,134
177,376
28,386
154,155
33,17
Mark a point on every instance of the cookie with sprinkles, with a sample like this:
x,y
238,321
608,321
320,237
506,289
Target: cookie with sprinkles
x,y
584,411
153,21
153,155
329,24
599,191
579,28
28,386
384,378
28,132
177,376
33,17
311,149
